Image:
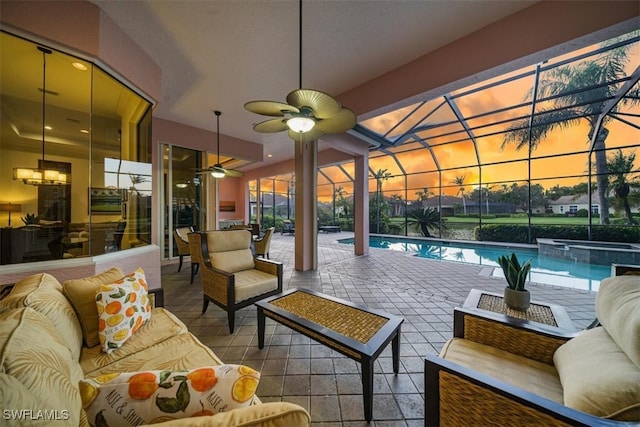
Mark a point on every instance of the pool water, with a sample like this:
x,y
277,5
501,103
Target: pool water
x,y
547,270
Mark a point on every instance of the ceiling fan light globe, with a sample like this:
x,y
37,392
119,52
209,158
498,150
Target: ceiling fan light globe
x,y
217,174
301,124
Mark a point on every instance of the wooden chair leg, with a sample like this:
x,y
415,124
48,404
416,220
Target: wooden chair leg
x,y
180,265
205,304
231,316
194,270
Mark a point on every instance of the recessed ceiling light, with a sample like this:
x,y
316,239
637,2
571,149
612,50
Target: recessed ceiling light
x,y
79,66
48,127
84,131
269,155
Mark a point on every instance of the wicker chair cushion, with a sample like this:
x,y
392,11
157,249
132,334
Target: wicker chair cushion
x,y
230,250
617,310
597,376
251,283
228,240
232,261
531,375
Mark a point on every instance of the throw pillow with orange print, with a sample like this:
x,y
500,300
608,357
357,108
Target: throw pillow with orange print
x,y
149,396
123,307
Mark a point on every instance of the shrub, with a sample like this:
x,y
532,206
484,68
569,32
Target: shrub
x,y
518,233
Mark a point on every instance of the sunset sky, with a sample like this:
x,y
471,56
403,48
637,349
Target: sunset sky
x,y
455,151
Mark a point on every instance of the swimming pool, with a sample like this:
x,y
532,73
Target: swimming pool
x,y
547,270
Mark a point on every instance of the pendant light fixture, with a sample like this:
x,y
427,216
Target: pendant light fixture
x,y
42,175
218,171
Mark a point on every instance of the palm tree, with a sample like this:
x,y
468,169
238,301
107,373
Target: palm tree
x,y
380,176
620,168
579,92
459,181
424,194
424,219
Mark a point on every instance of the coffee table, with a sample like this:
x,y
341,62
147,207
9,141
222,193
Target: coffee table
x,y
354,330
540,312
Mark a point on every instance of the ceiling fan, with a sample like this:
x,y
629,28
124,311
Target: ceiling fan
x,y
217,170
308,114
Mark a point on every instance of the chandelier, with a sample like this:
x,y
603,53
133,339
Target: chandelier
x,y
42,175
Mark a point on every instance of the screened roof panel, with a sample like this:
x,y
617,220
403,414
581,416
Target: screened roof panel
x,y
417,183
407,146
382,163
461,154
336,174
481,116
383,123
493,98
564,166
443,134
417,161
512,171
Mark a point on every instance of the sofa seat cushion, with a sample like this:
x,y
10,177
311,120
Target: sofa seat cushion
x,y
598,377
81,293
182,351
271,414
38,371
161,326
530,375
43,293
617,305
251,283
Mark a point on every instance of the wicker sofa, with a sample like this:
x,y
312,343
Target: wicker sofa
x,y
503,371
45,356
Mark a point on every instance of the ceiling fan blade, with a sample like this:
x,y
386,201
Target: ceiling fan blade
x,y
341,122
323,105
270,108
233,173
312,135
271,126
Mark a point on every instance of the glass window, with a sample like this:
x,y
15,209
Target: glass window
x,y
66,117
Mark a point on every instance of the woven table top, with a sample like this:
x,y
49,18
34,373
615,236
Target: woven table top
x,y
351,322
535,312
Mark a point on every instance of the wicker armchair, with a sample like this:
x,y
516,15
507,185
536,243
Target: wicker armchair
x,y
232,278
498,370
182,242
195,251
262,244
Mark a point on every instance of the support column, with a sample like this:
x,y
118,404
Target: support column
x,y
361,204
306,235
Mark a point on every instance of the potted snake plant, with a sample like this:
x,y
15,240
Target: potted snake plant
x,y
515,294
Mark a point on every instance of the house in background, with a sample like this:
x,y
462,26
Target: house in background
x,y
570,205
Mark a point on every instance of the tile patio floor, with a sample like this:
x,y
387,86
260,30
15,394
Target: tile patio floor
x,y
327,384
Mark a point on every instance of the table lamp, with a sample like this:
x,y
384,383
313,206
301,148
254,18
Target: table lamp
x,y
10,207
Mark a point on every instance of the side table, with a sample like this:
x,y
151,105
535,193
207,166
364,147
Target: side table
x,y
539,312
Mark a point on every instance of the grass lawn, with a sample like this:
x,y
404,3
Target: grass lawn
x,y
523,220
513,220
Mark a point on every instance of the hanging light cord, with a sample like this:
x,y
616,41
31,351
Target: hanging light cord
x,y
45,52
300,49
218,113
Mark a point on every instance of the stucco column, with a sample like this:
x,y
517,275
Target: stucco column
x,y
361,204
306,235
